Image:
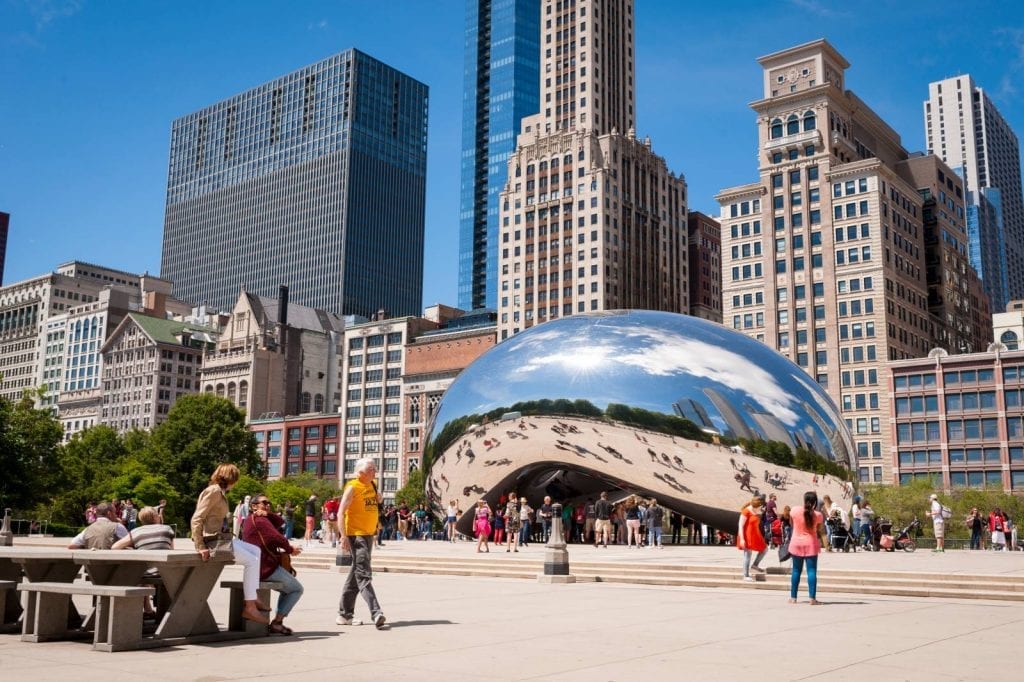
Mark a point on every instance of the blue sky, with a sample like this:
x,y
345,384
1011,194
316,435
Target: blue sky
x,y
89,89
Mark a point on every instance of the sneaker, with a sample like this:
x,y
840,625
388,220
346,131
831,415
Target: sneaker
x,y
379,621
342,620
747,579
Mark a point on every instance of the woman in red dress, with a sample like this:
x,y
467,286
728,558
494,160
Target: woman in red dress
x,y
749,538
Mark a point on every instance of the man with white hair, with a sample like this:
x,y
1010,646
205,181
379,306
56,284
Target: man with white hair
x,y
938,514
357,521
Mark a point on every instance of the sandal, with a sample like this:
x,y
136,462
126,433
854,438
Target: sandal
x,y
278,628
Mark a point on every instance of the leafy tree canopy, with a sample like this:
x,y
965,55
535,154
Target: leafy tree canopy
x,y
29,442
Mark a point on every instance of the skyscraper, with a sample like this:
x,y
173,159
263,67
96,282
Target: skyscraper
x,y
5,222
315,180
591,218
500,86
847,250
964,128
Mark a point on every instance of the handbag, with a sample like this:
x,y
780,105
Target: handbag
x,y
784,551
220,545
284,559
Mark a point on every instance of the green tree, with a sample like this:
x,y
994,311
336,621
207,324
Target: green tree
x,y
87,463
414,492
134,481
29,442
201,432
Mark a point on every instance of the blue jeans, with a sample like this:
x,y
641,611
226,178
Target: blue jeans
x,y
289,528
524,533
547,529
655,538
290,593
975,539
812,575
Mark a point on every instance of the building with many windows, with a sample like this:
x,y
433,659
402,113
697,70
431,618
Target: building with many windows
x,y
299,444
148,363
591,218
432,361
959,419
5,224
275,357
28,340
499,88
372,415
705,256
824,258
965,129
315,180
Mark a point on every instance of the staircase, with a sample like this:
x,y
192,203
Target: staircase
x,y
830,581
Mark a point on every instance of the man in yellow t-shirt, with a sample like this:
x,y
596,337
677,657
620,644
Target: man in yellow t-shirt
x,y
357,521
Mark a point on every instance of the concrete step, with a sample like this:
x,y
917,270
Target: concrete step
x,y
1011,583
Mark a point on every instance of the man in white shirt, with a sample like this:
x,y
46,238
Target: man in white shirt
x,y
938,523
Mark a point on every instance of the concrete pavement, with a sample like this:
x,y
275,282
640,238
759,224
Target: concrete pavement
x,y
459,628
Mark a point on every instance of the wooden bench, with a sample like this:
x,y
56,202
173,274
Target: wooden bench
x,y
118,616
237,601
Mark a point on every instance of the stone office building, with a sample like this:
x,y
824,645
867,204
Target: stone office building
x,y
591,218
825,255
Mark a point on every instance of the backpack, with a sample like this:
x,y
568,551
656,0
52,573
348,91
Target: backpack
x,y
946,512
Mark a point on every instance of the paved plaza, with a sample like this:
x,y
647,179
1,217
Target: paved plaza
x,y
461,628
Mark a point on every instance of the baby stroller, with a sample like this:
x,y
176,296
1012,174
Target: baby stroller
x,y
841,539
883,535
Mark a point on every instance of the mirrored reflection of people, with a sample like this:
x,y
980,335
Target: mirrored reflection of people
x,y
358,514
210,519
260,528
749,539
805,545
451,518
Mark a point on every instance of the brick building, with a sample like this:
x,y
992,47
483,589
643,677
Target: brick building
x,y
705,255
959,419
432,361
303,444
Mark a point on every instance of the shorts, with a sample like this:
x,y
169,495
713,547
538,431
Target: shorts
x,y
939,526
603,526
310,520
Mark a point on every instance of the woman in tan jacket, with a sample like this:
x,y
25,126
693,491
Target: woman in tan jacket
x,y
210,519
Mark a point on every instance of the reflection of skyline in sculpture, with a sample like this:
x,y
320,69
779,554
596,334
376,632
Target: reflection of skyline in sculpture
x,y
735,425
688,408
647,388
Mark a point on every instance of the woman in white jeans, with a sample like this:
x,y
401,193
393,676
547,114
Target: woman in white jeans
x,y
210,519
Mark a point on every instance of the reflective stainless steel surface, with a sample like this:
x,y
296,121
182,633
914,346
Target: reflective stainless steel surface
x,y
632,401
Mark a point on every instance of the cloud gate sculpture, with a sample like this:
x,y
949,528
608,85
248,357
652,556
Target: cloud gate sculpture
x,y
658,404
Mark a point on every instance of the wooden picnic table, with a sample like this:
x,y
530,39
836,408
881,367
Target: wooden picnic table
x,y
185,584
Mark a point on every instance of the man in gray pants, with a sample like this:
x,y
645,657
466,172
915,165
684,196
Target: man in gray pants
x,y
357,520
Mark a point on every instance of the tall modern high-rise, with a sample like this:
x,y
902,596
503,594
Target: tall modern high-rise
x,y
5,222
315,180
500,86
964,128
591,218
847,251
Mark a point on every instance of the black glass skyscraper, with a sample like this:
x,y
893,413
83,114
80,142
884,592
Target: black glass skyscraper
x,y
316,180
501,85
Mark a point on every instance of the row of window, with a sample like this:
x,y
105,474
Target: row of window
x,y
296,450
967,479
374,340
295,433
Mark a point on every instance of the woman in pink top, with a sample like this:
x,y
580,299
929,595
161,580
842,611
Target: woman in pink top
x,y
804,546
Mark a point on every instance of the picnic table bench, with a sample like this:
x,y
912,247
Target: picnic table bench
x,y
183,611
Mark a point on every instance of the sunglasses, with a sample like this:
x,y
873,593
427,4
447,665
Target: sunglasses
x,y
261,502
